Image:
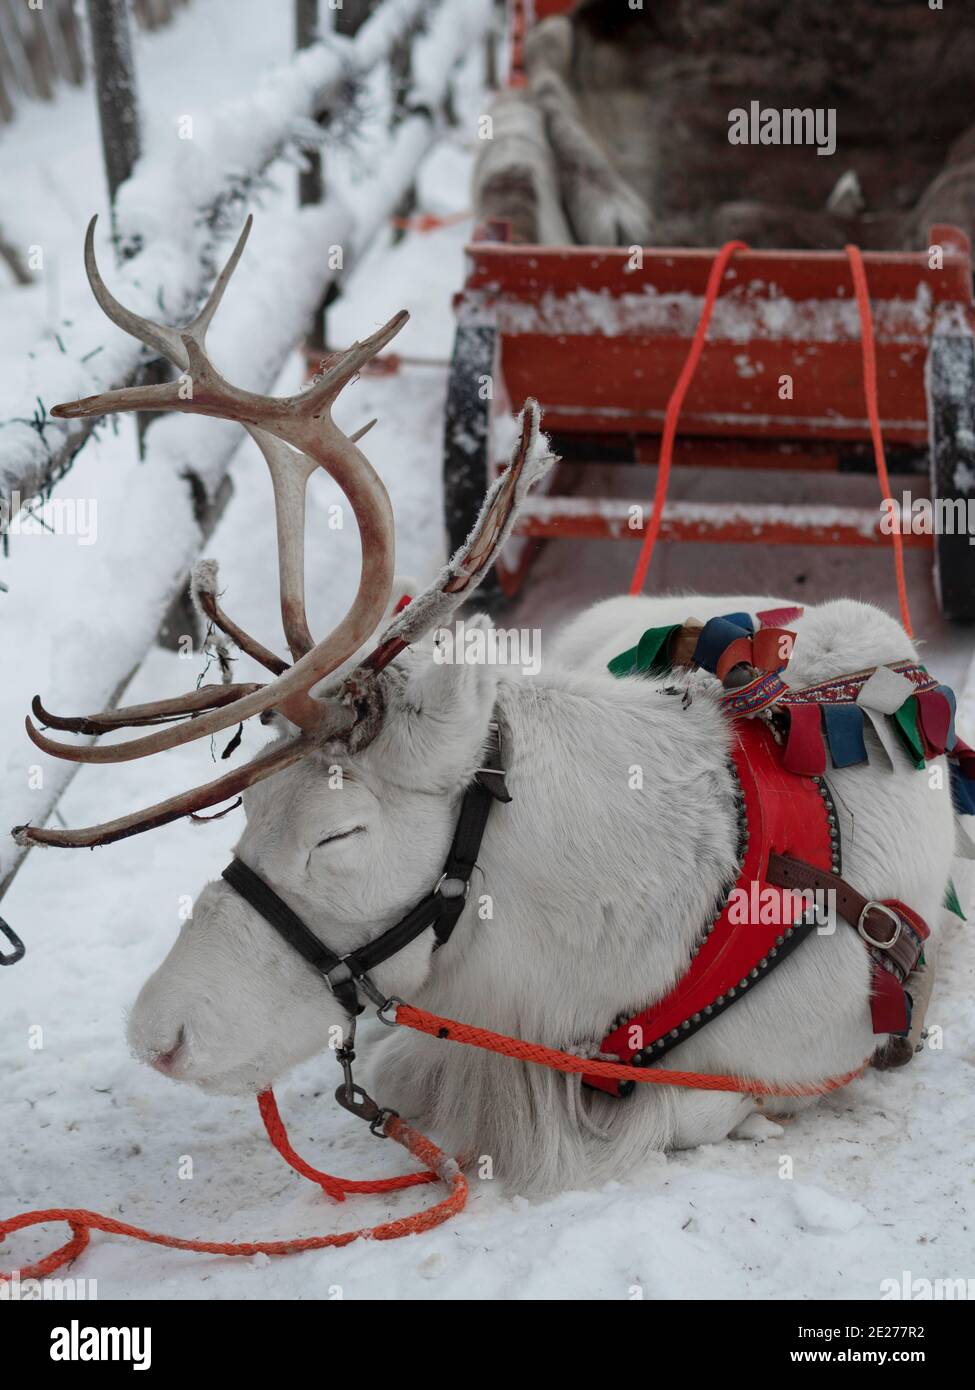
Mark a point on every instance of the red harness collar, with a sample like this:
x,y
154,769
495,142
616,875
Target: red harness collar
x,y
784,814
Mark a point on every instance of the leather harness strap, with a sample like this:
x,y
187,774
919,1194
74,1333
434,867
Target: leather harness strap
x,y
758,925
786,815
888,925
440,909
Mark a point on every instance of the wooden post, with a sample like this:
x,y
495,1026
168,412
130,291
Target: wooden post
x,y
118,107
349,19
351,15
401,79
310,182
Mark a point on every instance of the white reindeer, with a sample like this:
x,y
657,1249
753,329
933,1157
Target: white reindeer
x,y
597,893
599,896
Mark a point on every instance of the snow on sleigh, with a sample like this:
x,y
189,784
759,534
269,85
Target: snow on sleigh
x,y
799,368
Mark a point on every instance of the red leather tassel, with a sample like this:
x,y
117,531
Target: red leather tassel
x,y
771,648
739,650
888,1006
934,721
774,617
805,751
965,757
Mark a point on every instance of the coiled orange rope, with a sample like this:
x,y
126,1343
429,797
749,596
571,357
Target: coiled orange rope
x,y
440,1166
82,1223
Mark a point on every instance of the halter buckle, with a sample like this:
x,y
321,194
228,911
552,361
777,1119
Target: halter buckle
x,y
888,912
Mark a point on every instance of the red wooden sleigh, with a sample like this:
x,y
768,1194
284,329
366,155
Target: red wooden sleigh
x,y
598,335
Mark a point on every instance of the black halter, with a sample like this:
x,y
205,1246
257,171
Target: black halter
x,y
440,909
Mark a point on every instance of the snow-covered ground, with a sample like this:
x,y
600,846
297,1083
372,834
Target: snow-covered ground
x,y
881,1174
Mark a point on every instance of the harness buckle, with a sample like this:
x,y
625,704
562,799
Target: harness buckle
x,y
888,912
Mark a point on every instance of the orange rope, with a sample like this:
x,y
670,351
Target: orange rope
x,y
873,412
676,401
452,1031
430,221
82,1223
718,267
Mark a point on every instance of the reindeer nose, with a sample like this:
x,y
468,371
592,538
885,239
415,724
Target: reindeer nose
x,y
166,1061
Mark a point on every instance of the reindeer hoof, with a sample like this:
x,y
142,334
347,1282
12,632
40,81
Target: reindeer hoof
x,y
896,1052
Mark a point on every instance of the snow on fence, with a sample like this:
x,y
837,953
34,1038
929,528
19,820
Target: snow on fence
x,y
280,281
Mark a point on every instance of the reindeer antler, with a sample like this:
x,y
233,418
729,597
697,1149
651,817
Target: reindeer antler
x,y
296,435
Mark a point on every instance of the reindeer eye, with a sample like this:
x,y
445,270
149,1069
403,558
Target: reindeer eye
x,y
341,835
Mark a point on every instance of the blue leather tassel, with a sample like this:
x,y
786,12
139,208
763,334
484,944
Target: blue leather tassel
x,y
844,734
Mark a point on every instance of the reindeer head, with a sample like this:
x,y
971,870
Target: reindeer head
x,y
350,841
349,811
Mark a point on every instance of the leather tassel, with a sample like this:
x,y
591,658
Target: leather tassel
x,y
775,617
962,790
716,636
906,720
890,744
805,751
844,734
889,1007
651,655
936,717
772,648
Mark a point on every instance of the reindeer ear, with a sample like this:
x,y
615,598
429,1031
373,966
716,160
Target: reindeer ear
x,y
436,719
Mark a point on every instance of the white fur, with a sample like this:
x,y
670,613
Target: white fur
x,y
598,894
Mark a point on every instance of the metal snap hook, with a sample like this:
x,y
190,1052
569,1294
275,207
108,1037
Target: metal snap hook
x,y
19,949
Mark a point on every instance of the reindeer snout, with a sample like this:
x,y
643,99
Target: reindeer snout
x,y
166,1061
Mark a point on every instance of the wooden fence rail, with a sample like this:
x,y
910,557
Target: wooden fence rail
x,y
32,460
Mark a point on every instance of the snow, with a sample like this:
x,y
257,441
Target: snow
x,y
873,1181
192,163
758,311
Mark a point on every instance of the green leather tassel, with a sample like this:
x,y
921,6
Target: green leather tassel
x,y
906,720
651,656
951,900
